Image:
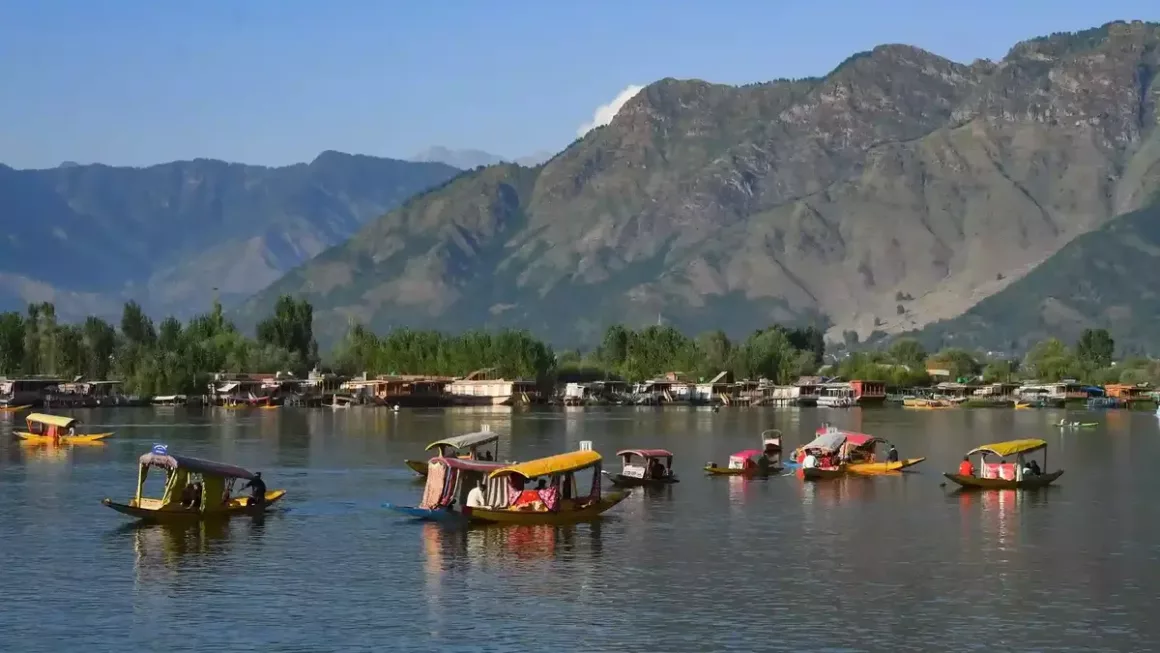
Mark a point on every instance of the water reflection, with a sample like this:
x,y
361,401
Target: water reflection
x,y
161,548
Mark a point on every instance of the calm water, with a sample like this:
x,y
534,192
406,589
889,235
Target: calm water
x,y
877,564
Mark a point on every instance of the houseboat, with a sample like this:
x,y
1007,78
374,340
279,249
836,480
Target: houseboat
x,y
836,395
480,388
29,392
717,390
868,392
406,391
1127,395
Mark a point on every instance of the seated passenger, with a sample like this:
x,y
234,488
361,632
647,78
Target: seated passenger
x,y
188,494
965,467
531,498
810,461
475,498
1034,468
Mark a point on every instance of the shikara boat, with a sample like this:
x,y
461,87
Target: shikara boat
x,y
654,469
14,409
858,451
751,463
555,500
450,448
178,504
449,480
56,429
1003,475
917,403
826,447
1022,405
1064,424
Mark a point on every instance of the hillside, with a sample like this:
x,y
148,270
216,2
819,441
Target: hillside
x,y
898,190
88,237
1103,279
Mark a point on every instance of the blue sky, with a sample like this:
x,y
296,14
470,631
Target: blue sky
x,y
132,82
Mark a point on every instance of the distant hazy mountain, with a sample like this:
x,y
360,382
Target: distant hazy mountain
x,y
462,159
89,237
471,159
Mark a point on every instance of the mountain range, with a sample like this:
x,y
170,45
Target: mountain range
x,y
900,190
172,236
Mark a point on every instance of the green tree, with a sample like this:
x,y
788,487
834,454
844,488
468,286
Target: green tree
x,y
960,363
11,343
909,352
1050,360
291,327
1096,347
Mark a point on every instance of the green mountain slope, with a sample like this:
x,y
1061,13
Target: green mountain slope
x,y
898,190
88,237
1104,279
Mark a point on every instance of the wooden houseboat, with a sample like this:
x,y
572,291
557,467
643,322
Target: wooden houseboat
x,y
482,388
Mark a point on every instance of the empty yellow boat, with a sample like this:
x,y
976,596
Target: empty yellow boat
x,y
55,429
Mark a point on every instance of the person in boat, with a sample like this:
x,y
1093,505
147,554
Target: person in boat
x,y
188,495
965,467
810,461
656,469
763,465
892,454
487,456
1035,468
475,498
257,490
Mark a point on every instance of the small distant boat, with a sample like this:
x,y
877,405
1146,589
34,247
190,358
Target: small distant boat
x,y
449,448
217,481
747,463
1003,475
916,403
56,429
14,409
654,470
1064,424
1020,405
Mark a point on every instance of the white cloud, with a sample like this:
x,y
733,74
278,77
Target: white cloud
x,y
606,112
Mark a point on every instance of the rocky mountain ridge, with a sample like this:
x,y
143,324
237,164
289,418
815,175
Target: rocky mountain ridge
x,y
900,189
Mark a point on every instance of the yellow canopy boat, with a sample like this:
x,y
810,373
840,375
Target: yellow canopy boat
x,y
56,429
450,448
194,489
553,501
1004,475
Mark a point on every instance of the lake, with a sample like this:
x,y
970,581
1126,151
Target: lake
x,y
857,564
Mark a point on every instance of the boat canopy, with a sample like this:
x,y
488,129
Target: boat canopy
x,y
859,440
558,464
467,440
646,453
748,453
1010,447
467,464
204,467
51,420
828,441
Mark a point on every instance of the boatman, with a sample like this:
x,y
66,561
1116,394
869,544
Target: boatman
x,y
257,490
965,468
892,455
475,496
810,461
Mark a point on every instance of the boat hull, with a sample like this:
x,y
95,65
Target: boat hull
x,y
748,473
181,516
821,474
428,514
84,438
530,517
883,467
976,483
621,480
417,466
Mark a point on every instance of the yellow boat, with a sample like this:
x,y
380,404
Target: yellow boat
x,y
178,504
555,502
56,429
859,451
1021,405
450,448
926,404
1003,475
14,409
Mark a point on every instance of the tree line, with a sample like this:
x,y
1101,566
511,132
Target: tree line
x,y
173,357
905,363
